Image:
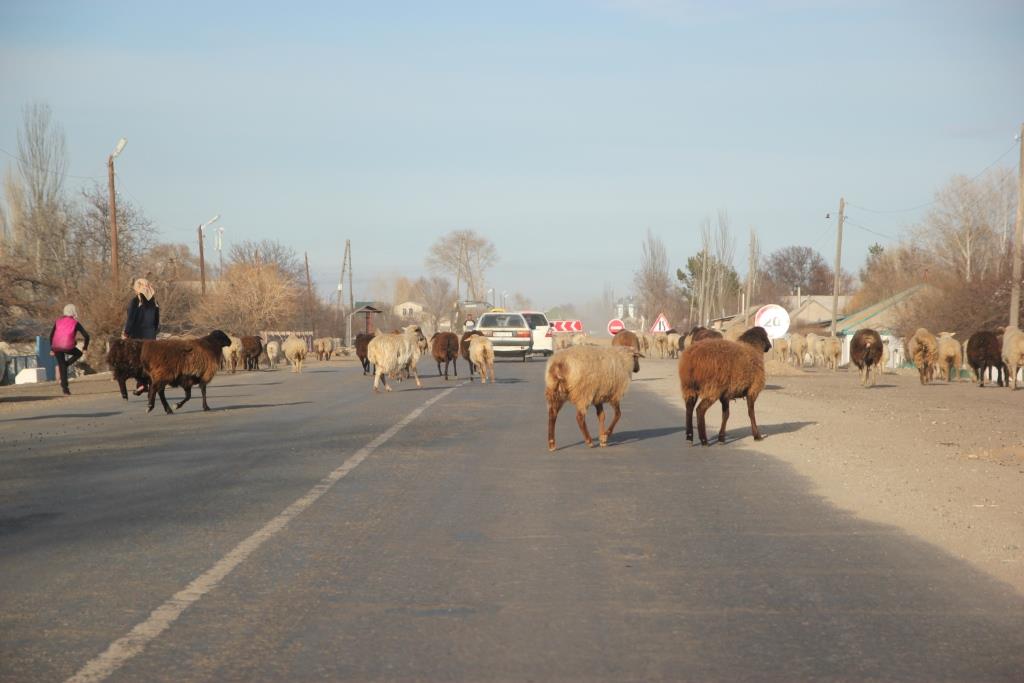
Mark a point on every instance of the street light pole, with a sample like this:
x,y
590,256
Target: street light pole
x,y
202,255
115,275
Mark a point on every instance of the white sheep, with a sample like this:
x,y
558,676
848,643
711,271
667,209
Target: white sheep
x,y
950,356
1013,352
832,352
392,353
233,353
672,342
588,376
295,351
923,348
814,349
273,353
481,354
797,348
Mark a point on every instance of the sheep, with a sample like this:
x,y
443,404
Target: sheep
x,y
1013,353
444,347
832,352
626,338
984,351
125,360
273,353
884,363
734,333
661,344
699,333
674,342
419,348
182,363
580,339
781,348
467,337
923,349
950,358
233,353
252,348
797,348
323,348
723,370
294,351
588,376
392,353
481,354
866,353
814,349
362,341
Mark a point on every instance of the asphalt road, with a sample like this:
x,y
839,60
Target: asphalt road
x,y
446,543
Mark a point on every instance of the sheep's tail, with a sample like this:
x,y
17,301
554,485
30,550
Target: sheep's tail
x,y
556,381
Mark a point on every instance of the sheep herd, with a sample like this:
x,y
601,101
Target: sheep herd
x,y
712,367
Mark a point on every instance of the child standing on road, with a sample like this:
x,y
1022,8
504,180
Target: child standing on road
x,y
62,343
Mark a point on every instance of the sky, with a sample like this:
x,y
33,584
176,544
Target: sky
x,y
561,130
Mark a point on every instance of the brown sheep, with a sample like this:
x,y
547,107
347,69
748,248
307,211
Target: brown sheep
x,y
723,370
588,376
125,361
361,343
700,334
923,349
866,353
984,351
444,347
252,348
628,339
182,363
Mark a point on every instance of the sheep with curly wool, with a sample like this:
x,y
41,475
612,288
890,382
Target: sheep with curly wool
x,y
923,349
588,376
393,353
723,370
481,356
182,363
1013,353
797,349
294,350
627,338
273,353
832,352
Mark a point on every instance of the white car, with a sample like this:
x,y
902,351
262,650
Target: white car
x,y
508,332
540,330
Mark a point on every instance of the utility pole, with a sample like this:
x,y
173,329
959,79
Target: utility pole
x,y
346,267
309,295
202,263
751,265
115,276
1018,237
839,255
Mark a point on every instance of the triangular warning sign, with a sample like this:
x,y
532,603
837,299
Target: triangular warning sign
x,y
661,324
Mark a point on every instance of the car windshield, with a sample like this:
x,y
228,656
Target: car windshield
x,y
535,319
502,320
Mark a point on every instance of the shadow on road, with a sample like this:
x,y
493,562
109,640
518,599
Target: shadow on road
x,y
24,399
251,384
258,405
61,416
633,435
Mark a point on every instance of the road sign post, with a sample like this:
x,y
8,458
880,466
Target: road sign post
x,y
615,326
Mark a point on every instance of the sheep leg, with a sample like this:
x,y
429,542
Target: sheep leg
x,y
690,403
163,401
121,384
455,366
417,376
188,394
702,430
581,420
553,408
202,388
602,435
753,421
615,420
725,418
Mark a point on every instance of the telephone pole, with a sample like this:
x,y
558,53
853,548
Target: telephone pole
x,y
839,255
309,295
346,267
115,275
202,263
1018,237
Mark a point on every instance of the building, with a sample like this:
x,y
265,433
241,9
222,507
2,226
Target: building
x,y
408,310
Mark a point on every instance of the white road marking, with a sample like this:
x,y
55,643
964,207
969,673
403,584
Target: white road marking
x,y
131,644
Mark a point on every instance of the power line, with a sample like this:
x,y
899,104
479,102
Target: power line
x,y
921,206
867,229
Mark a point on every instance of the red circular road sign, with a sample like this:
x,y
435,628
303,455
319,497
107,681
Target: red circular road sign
x,y
615,326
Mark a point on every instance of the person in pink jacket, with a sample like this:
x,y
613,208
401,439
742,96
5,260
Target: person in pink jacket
x,y
63,344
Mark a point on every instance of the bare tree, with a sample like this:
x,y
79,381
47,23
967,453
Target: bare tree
x,y
267,252
250,298
437,296
653,286
466,256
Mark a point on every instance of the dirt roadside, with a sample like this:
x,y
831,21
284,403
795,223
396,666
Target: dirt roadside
x,y
944,462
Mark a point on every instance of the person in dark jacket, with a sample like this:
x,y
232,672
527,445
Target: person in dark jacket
x,y
62,343
143,317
